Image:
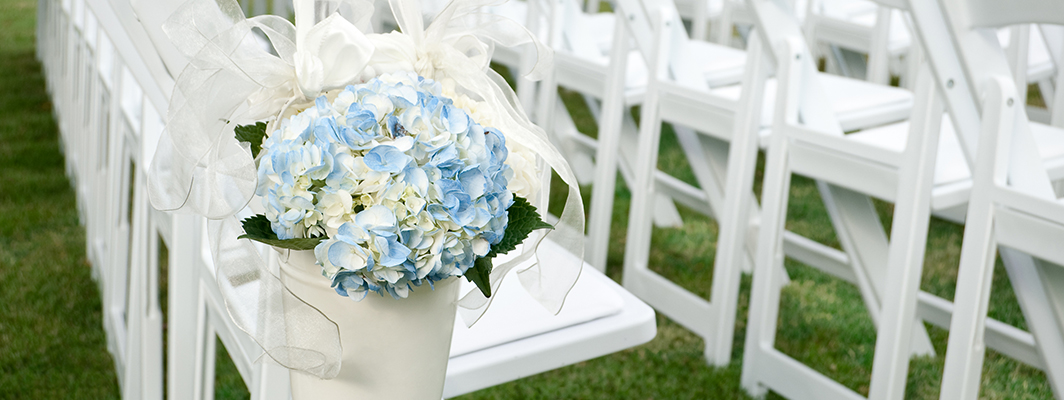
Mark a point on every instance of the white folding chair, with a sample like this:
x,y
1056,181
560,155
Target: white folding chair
x,y
723,153
863,40
843,30
678,94
1014,210
264,378
608,70
911,164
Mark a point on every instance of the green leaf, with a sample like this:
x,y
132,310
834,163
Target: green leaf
x,y
480,274
252,134
258,228
522,220
293,244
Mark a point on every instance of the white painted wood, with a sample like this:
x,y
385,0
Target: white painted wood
x,y
903,299
132,83
888,273
908,244
1012,202
730,123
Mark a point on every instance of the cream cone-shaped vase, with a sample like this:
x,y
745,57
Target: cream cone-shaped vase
x,y
392,348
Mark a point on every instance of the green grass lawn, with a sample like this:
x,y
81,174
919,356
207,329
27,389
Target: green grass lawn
x,y
52,344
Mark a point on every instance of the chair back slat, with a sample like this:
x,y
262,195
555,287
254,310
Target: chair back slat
x,y
998,13
637,18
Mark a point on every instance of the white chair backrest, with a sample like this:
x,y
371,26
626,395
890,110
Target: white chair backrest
x,y
963,66
776,24
640,16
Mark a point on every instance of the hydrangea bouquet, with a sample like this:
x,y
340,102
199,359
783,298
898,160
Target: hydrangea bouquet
x,y
393,185
387,162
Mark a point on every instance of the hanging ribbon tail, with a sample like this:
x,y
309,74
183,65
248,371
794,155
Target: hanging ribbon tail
x,y
455,49
548,283
200,166
236,76
295,334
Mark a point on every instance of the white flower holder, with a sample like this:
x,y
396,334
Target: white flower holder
x,y
392,349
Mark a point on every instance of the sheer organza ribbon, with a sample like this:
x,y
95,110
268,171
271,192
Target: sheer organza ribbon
x,y
243,70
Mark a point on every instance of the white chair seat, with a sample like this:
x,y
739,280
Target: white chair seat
x,y
857,103
600,318
514,315
720,65
586,71
952,176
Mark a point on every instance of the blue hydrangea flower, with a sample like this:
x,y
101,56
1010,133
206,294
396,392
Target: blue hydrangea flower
x,y
409,188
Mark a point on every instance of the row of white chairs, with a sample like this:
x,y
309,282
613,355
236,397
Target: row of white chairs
x,y
917,159
720,98
110,70
110,101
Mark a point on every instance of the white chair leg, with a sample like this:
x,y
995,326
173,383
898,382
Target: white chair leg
x,y
637,249
765,294
665,214
133,383
912,214
210,362
272,380
862,237
1037,286
183,287
570,142
966,346
734,214
606,163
